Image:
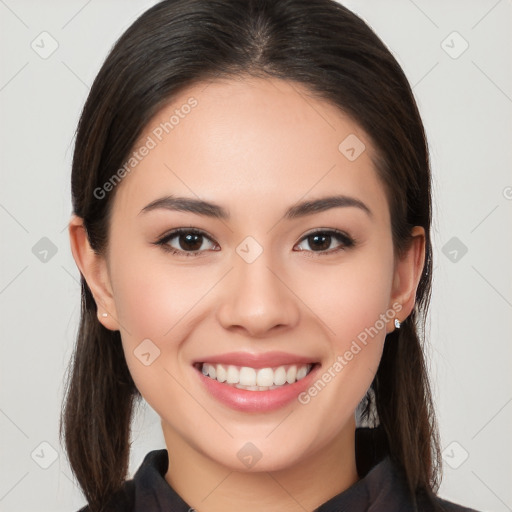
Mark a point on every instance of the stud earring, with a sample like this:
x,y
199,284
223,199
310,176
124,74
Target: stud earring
x,y
104,315
397,323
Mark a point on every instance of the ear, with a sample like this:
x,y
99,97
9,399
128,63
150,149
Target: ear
x,y
407,274
93,268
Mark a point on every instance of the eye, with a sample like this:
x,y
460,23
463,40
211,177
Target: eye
x,y
320,241
190,242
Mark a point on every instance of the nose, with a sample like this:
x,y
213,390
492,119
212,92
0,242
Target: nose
x,y
257,300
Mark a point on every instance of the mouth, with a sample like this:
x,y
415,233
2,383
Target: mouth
x,y
256,382
255,379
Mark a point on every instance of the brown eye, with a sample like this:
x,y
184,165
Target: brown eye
x,y
321,241
189,242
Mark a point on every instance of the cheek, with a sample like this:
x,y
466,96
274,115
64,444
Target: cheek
x,y
350,297
352,306
352,300
152,297
155,302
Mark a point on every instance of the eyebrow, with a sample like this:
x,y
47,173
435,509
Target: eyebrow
x,y
207,209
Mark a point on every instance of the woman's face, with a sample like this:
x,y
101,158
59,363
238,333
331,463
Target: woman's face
x,y
261,283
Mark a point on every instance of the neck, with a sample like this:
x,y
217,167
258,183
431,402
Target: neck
x,y
211,487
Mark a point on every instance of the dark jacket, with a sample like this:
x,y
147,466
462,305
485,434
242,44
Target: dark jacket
x,y
382,486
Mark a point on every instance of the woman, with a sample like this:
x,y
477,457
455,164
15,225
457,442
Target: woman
x,y
251,220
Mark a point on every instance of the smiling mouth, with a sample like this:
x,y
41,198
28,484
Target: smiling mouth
x,y
255,379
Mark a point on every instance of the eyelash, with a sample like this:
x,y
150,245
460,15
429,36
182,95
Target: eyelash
x,y
346,241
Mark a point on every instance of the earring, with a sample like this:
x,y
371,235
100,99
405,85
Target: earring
x,y
397,323
104,315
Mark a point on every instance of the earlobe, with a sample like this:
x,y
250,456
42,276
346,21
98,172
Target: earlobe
x,y
93,268
407,275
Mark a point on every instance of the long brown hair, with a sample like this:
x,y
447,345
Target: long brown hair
x,y
316,43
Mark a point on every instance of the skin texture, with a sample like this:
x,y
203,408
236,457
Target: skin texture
x,y
255,147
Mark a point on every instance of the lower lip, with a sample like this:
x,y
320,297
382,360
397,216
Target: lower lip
x,y
257,401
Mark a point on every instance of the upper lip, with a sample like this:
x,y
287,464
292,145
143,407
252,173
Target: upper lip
x,y
262,360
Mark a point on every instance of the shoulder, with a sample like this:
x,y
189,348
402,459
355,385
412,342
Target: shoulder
x,y
140,492
121,501
449,506
433,503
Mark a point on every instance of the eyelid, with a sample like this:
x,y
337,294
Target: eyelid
x,y
326,230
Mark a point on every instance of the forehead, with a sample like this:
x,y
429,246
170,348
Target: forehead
x,y
250,142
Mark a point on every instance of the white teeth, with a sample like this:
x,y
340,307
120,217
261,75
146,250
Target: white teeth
x,y
265,377
247,376
256,379
301,372
291,374
280,376
222,374
233,375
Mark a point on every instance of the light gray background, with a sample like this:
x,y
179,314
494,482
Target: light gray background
x,y
466,104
